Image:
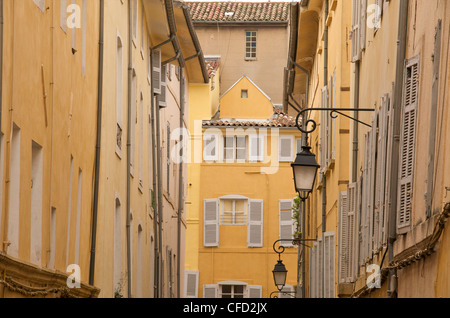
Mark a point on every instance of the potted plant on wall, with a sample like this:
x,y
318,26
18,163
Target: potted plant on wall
x,y
296,217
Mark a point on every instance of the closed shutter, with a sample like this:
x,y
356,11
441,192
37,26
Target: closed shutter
x,y
254,291
162,97
388,182
191,284
356,31
372,162
211,222
211,147
329,264
256,147
364,253
156,71
286,223
320,268
362,25
407,143
352,199
286,292
323,131
229,148
255,223
286,148
210,291
343,247
313,271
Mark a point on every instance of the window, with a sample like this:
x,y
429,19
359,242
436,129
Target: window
x,y
232,291
286,223
322,262
244,93
36,204
235,148
250,45
358,33
286,148
191,284
211,147
407,143
233,212
256,147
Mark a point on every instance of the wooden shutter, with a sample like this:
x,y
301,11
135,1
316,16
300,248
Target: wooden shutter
x,y
407,143
356,31
364,203
362,25
286,146
373,222
211,147
286,292
162,97
255,223
191,284
211,222
210,291
313,271
323,131
286,223
329,264
241,148
352,200
229,148
343,238
254,291
156,71
256,147
320,267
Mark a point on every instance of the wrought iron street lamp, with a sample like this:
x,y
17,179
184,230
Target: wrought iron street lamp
x,y
279,275
305,170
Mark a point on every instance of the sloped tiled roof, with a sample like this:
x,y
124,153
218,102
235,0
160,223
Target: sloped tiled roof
x,y
239,12
278,120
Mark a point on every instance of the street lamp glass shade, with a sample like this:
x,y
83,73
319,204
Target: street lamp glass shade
x,y
305,170
279,275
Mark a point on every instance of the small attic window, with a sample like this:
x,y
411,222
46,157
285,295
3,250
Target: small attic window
x,y
244,93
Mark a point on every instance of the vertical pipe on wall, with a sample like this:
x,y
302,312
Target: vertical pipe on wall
x,y
398,95
180,183
154,198
99,138
130,74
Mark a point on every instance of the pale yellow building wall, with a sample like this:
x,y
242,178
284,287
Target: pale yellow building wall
x,y
47,95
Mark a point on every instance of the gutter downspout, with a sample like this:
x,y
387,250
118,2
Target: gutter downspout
x,y
1,68
154,194
99,139
325,79
180,185
355,123
130,74
401,54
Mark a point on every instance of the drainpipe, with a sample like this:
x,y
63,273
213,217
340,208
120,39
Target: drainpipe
x,y
1,66
99,139
180,184
401,54
355,124
325,78
160,198
130,74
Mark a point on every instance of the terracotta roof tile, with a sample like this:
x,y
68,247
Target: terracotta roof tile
x,y
278,120
235,12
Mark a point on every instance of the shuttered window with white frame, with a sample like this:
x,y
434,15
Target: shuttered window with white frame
x,y
329,264
407,143
211,222
256,147
286,148
156,70
286,223
343,247
210,291
255,223
359,26
191,284
254,291
211,147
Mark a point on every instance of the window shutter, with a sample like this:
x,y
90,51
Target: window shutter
x,y
286,146
286,292
162,97
320,268
210,291
156,71
254,291
211,147
329,264
191,284
313,271
211,222
241,148
255,223
256,147
356,31
286,223
363,26
407,143
352,201
229,143
344,249
323,132
373,157
364,204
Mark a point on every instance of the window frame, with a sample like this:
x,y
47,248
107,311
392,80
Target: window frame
x,y
252,54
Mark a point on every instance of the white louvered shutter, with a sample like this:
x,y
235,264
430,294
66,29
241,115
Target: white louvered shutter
x,y
352,234
356,31
210,291
211,222
229,148
388,183
329,264
156,71
320,267
343,238
407,144
313,271
255,223
256,147
254,291
211,147
373,157
286,223
362,25
191,284
286,292
162,97
286,148
364,253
